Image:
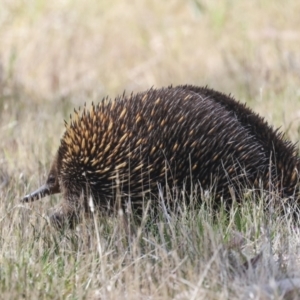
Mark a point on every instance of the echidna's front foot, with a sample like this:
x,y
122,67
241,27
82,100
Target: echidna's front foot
x,y
60,220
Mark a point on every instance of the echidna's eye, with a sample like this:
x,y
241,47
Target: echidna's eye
x,y
51,179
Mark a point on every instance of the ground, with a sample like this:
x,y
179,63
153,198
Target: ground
x,y
57,55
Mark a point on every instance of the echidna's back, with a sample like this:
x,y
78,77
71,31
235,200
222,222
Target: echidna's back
x,y
172,136
281,153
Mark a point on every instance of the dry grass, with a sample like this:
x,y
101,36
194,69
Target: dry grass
x,y
55,55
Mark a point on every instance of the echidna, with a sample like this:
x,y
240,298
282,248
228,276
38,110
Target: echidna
x,y
176,136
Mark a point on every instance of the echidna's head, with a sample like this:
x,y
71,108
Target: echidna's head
x,y
49,188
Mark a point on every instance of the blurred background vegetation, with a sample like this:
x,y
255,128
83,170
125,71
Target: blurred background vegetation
x,y
56,55
58,49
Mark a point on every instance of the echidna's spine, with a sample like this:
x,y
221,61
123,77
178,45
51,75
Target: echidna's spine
x,y
171,136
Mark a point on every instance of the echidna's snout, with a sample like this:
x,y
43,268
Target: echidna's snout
x,y
49,188
38,194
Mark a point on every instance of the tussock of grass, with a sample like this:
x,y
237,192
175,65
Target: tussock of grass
x,y
193,252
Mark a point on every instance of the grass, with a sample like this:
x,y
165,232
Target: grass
x,y
56,55
192,253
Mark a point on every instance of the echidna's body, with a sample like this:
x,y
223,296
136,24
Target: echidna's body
x,y
171,135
